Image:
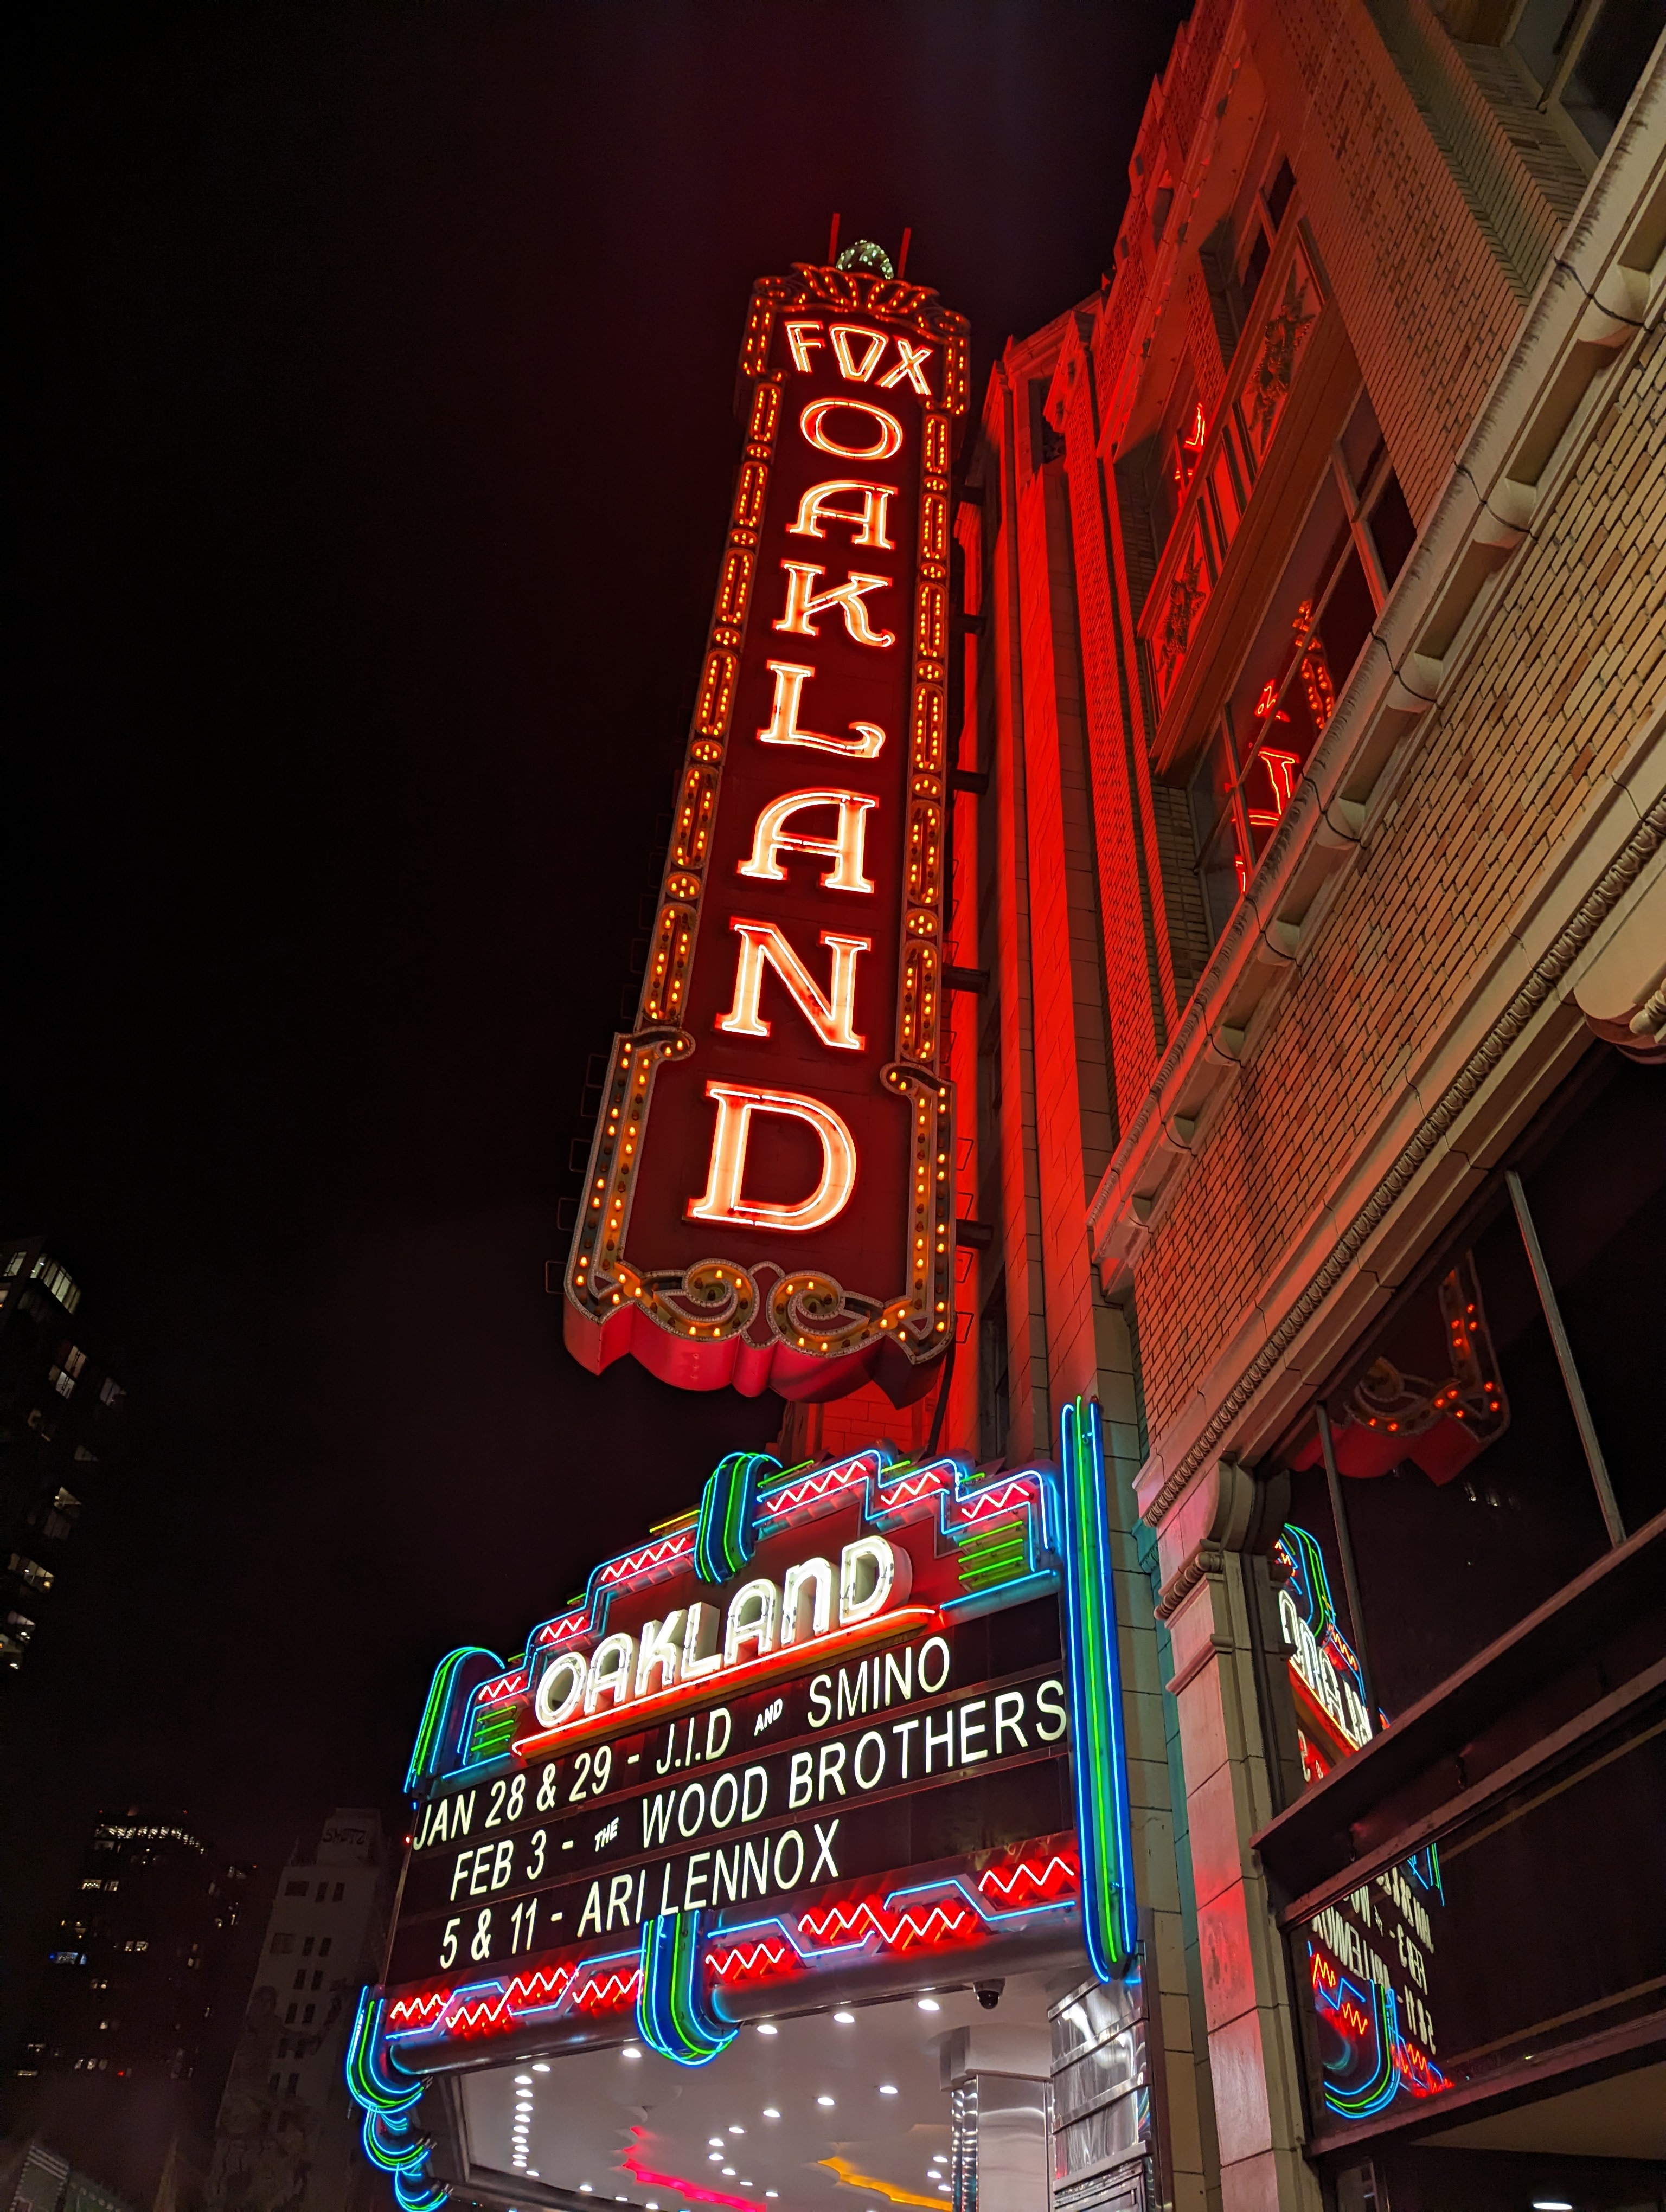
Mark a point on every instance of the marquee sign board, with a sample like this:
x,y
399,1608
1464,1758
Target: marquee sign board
x,y
769,1202
846,1727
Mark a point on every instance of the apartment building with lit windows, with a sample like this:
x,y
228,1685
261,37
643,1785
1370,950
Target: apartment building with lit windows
x,y
60,1430
1308,946
110,2071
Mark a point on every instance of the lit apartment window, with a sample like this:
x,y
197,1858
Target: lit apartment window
x,y
32,1571
58,1280
111,1393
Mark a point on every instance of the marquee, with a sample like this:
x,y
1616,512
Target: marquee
x,y
842,1726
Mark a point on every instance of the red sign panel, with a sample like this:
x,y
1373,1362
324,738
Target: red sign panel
x,y
769,1202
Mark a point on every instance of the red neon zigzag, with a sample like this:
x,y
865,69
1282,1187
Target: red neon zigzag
x,y
422,2009
824,1483
1025,1871
761,1957
830,1930
609,1994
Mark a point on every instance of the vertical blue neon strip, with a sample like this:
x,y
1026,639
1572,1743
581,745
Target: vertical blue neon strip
x,y
1098,1748
726,1535
672,2015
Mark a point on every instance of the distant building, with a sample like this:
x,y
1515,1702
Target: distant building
x,y
288,2131
115,2051
34,2178
59,1421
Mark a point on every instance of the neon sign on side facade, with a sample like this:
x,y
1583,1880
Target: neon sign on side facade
x,y
769,1197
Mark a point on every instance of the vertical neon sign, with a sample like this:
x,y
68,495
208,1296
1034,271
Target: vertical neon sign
x,y
769,1197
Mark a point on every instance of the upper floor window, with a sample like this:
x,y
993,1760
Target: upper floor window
x,y
1352,546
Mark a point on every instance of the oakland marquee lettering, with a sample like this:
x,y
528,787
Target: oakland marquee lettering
x,y
770,1199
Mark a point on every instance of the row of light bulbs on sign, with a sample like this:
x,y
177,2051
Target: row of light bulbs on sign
x,y
720,2148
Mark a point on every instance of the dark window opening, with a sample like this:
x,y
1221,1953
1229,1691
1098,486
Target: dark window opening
x,y
1393,531
1256,263
1278,191
993,1379
1613,56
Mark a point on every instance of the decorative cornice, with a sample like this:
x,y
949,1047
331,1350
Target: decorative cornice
x,y
1208,1559
1430,1133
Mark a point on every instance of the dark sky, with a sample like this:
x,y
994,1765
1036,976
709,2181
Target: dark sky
x,y
368,460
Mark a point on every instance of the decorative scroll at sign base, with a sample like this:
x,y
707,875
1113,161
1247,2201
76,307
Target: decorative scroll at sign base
x,y
769,1203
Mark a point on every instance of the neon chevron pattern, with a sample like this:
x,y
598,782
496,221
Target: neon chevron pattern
x,y
1023,1504
1099,1762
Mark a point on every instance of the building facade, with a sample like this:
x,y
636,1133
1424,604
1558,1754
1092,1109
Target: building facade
x,y
1293,834
1311,927
60,1426
110,2072
287,2132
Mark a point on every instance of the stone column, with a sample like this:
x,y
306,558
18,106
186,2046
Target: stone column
x,y
1254,2044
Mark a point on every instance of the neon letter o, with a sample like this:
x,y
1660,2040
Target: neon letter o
x,y
890,429
561,1688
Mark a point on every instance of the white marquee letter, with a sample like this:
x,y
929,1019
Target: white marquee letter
x,y
610,1668
805,603
811,1578
752,1619
856,372
782,726
815,509
762,944
736,1105
560,1689
911,366
886,1570
799,343
772,838
813,423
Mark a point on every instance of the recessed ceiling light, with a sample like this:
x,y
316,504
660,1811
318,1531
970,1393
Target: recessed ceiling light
x,y
729,2173
770,2113
768,2027
539,2066
631,2050
584,2189
887,2088
845,2019
939,2158
772,2192
1552,2204
715,2158
929,2004
526,2078
735,2128
824,2100
714,2142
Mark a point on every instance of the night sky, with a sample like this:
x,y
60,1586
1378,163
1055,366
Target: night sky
x,y
368,462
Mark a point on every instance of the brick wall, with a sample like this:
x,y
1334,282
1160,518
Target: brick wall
x,y
1553,694
1430,305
